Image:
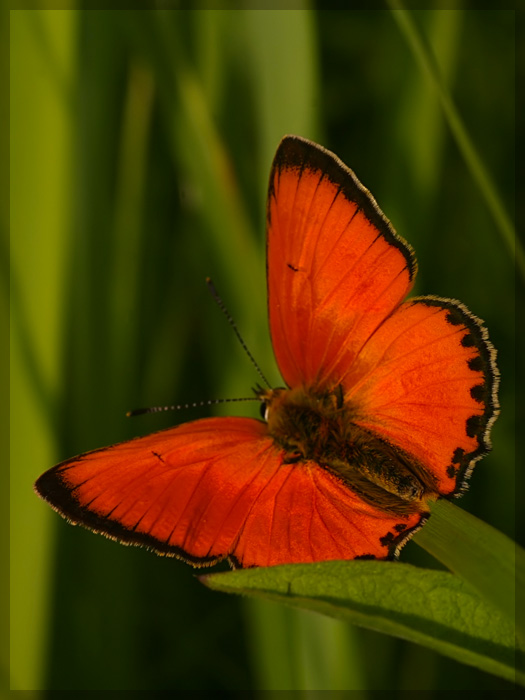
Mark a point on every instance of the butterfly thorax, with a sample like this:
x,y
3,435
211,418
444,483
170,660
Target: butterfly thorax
x,y
321,427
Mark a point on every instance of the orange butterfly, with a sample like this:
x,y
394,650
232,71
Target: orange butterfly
x,y
388,403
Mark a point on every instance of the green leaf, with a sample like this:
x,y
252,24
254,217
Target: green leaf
x,y
485,558
432,608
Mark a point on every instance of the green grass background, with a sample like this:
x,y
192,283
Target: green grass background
x,y
140,149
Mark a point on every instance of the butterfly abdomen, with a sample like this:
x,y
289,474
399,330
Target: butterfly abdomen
x,y
313,427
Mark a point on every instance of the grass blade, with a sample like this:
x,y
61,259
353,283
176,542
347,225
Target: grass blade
x,y
41,137
471,156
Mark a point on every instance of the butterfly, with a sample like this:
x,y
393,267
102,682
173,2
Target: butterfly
x,y
387,405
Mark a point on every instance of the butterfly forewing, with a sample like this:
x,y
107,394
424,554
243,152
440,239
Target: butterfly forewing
x,y
336,268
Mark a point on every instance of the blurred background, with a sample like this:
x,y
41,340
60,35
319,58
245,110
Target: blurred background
x,y
141,143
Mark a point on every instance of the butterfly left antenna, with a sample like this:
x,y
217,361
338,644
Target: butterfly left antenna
x,y
225,311
182,406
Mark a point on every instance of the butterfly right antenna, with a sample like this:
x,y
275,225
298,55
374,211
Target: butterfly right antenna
x,y
225,311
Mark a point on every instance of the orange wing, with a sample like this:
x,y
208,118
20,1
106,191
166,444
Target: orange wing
x,y
427,381
336,268
218,488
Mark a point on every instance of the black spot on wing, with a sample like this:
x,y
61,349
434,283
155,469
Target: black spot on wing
x,y
396,540
387,540
478,393
474,426
484,389
458,456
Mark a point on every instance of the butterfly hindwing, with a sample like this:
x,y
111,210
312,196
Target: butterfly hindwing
x,y
427,381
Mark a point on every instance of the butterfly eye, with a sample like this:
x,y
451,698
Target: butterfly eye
x,y
264,410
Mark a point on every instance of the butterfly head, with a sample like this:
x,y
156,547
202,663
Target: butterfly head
x,y
302,420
